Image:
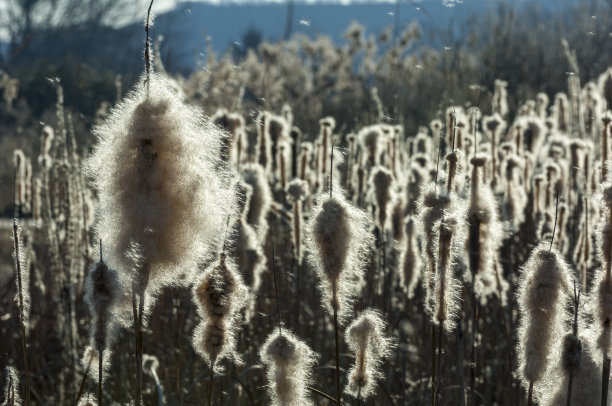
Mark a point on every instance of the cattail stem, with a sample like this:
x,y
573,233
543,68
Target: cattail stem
x,y
439,369
569,391
473,344
147,46
280,331
211,375
433,364
323,394
337,354
83,381
530,394
605,379
21,309
138,310
100,358
460,358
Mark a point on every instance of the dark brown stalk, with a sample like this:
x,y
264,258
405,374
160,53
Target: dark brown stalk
x,y
575,332
439,369
433,364
605,380
337,354
100,358
280,331
21,309
530,395
147,55
211,375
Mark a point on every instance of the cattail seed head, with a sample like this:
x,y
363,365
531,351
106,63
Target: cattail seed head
x,y
544,283
160,182
338,238
219,296
366,337
289,363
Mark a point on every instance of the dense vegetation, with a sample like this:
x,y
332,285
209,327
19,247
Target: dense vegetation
x,y
370,223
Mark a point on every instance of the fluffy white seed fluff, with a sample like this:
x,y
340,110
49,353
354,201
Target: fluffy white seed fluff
x,y
289,363
367,339
543,291
339,239
161,186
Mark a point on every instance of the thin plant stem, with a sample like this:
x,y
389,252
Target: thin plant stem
x,y
280,331
433,364
337,354
100,358
83,381
439,369
530,395
21,309
605,380
323,394
211,375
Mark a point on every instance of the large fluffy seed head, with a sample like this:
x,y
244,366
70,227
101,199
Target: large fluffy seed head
x,y
338,238
544,283
366,337
161,186
289,363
